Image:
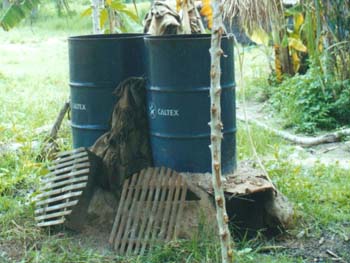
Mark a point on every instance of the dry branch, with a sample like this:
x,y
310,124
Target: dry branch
x,y
50,147
216,134
58,122
301,140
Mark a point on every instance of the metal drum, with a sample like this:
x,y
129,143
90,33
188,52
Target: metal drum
x,y
178,102
97,64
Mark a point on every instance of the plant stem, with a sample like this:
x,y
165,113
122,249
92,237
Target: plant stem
x,y
216,134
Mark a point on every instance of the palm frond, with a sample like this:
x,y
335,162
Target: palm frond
x,y
253,14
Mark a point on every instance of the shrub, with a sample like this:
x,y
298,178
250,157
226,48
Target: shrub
x,y
310,102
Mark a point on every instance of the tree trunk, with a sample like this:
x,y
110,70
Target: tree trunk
x,y
5,4
95,5
216,134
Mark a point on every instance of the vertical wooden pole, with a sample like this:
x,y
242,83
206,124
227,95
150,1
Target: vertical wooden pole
x,y
216,131
95,5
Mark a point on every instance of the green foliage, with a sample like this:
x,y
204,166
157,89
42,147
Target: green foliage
x,y
17,11
320,194
115,16
62,6
320,99
310,102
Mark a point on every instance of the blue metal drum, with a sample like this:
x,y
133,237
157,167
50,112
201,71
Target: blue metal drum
x,y
178,102
97,64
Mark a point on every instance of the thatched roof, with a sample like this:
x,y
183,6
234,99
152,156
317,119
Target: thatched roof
x,y
253,14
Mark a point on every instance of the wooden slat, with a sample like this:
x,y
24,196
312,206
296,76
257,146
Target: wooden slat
x,y
150,174
181,207
160,210
70,152
118,215
73,167
174,208
69,158
147,224
59,167
70,187
59,198
139,192
169,200
68,181
56,207
53,215
125,205
64,176
51,223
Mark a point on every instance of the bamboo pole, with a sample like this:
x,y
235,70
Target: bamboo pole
x,y
216,133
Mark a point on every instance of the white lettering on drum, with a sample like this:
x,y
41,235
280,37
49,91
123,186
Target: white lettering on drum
x,y
77,106
154,111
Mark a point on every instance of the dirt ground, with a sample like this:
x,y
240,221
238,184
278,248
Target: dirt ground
x,y
329,247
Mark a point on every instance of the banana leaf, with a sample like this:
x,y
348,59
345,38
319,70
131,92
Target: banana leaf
x,y
17,11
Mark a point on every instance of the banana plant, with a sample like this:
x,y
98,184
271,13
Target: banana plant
x,y
16,12
114,16
294,37
20,9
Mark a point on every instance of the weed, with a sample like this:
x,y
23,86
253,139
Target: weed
x,y
309,102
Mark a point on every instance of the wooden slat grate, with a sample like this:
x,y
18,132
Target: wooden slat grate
x,y
61,188
151,204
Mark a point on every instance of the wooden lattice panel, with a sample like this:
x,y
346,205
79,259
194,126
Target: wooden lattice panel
x,y
61,188
150,206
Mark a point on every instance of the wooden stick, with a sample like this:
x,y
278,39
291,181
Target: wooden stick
x,y
58,122
301,140
216,134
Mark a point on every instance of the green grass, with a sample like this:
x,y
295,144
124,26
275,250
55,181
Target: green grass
x,y
34,85
320,194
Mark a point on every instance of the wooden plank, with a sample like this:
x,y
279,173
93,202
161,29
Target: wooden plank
x,y
59,198
52,185
51,223
118,215
125,205
78,164
64,176
149,219
148,241
174,207
181,206
64,189
160,209
166,216
56,207
150,174
70,152
53,215
69,158
139,192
